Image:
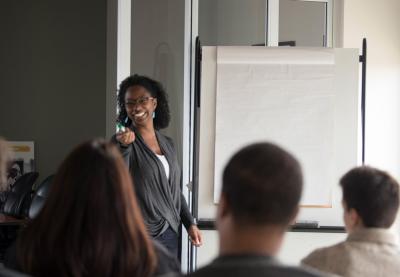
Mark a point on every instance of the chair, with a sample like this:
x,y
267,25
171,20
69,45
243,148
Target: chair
x,y
5,272
39,197
17,198
20,194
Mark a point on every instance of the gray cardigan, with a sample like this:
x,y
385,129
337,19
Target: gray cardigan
x,y
161,200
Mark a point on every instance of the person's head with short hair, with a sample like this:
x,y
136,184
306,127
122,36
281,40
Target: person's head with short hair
x,y
90,224
5,159
261,190
370,198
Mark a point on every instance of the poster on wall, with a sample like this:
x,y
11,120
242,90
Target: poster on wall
x,y
23,160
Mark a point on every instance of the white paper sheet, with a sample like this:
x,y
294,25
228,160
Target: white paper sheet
x,y
286,97
274,55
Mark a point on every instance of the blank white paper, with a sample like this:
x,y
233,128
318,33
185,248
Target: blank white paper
x,y
280,96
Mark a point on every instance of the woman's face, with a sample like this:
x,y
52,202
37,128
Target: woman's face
x,y
140,105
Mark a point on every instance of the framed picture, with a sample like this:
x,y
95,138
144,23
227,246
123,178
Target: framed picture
x,y
24,160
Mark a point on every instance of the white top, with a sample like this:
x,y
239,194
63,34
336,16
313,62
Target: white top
x,y
165,164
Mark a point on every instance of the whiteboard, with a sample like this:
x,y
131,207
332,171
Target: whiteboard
x,y
307,99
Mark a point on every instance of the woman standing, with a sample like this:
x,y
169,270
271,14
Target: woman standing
x,y
152,160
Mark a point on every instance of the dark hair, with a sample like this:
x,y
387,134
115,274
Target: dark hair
x,y
262,184
90,224
373,193
156,90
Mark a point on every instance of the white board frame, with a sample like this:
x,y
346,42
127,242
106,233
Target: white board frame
x,y
347,71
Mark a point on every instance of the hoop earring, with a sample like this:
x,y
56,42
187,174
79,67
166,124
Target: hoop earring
x,y
154,115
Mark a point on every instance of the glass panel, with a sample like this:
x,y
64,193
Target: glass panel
x,y
302,23
157,49
232,22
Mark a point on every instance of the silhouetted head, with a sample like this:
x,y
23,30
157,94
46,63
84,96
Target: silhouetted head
x,y
370,194
262,185
91,224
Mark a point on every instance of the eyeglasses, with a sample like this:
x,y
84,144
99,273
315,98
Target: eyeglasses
x,y
141,101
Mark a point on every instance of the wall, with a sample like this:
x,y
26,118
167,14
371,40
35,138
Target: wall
x,y
302,22
379,23
353,20
157,51
52,75
295,246
232,22
337,23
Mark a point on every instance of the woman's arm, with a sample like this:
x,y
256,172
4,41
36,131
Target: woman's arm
x,y
186,216
188,221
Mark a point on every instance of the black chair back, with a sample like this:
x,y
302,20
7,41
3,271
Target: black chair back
x,y
39,197
5,272
20,194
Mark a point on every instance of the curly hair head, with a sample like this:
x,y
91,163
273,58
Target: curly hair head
x,y
156,90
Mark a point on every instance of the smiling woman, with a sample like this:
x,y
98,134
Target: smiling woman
x,y
152,160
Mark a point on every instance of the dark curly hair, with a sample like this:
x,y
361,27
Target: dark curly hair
x,y
156,90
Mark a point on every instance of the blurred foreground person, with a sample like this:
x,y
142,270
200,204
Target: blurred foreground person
x,y
261,189
91,224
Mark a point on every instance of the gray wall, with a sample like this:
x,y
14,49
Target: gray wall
x,y
243,22
52,75
158,52
232,22
303,22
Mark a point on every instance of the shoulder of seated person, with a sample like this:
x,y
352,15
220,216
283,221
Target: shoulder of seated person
x,y
170,274
315,254
322,254
213,269
298,271
6,272
305,271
